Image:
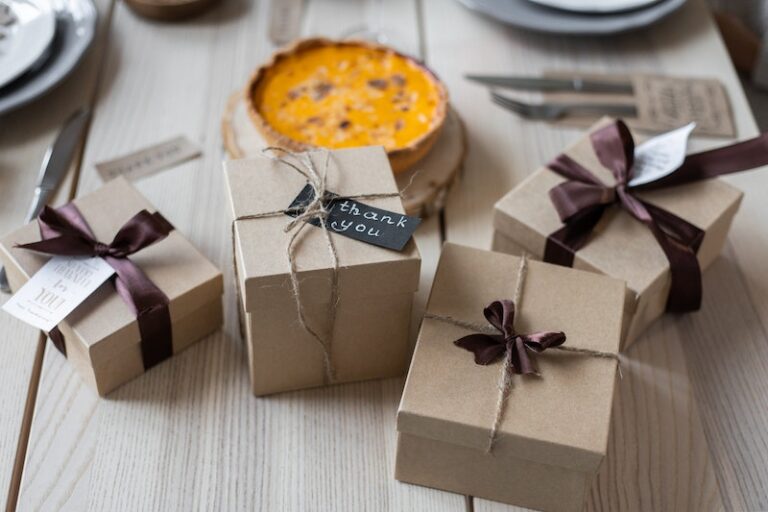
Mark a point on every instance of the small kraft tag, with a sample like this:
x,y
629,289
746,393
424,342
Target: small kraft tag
x,y
360,221
57,289
149,160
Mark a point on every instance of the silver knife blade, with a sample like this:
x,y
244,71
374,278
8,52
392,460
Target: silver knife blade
x,y
531,83
58,158
56,163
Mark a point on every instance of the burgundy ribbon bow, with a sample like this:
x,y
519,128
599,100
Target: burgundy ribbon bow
x,y
487,348
65,232
583,198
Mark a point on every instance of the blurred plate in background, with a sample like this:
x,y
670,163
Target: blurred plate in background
x,y
25,39
595,6
75,30
530,16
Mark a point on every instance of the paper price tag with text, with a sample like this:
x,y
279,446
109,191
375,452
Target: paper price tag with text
x,y
57,289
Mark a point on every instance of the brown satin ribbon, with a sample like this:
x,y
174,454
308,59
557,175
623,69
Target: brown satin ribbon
x,y
65,232
487,348
583,198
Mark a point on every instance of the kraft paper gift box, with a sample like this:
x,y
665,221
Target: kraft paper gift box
x,y
101,335
369,337
554,432
620,246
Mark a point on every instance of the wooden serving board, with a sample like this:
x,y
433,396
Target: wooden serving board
x,y
424,186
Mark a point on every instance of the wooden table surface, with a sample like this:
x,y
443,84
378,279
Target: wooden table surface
x,y
690,427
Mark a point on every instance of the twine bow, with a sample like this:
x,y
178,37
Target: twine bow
x,y
65,232
314,209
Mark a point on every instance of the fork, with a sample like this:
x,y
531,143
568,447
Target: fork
x,y
551,111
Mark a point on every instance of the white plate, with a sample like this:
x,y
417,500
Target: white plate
x,y
595,6
75,29
530,16
26,39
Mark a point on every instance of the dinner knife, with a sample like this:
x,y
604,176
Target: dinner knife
x,y
56,163
532,83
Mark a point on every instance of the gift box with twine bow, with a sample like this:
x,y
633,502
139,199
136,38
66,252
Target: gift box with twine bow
x,y
580,210
165,296
511,386
318,308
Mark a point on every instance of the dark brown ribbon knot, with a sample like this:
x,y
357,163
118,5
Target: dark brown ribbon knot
x,y
487,348
582,200
65,232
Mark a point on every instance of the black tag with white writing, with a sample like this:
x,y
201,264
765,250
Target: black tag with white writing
x,y
359,221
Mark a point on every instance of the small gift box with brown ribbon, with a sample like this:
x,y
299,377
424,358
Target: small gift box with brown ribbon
x,y
162,296
511,385
321,300
591,208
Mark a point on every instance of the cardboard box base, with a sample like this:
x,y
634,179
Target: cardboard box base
x,y
371,341
127,365
473,472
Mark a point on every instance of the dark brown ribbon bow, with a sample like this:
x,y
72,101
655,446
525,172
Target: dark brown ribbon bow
x,y
487,348
583,198
65,232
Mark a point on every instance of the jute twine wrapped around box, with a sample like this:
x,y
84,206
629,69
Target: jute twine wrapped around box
x,y
302,215
490,342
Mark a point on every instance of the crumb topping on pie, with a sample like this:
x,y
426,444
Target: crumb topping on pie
x,y
348,94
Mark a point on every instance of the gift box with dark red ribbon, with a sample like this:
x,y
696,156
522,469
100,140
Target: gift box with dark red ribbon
x,y
584,210
164,296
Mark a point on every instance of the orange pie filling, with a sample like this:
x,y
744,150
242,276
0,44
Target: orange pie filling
x,y
344,95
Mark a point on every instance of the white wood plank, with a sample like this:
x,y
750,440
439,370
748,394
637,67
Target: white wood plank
x,y
25,135
648,467
188,435
725,343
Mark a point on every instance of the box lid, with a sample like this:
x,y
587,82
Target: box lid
x,y
620,246
104,323
260,185
561,418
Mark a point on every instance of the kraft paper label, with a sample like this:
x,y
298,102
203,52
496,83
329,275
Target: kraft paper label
x,y
57,289
149,160
360,221
662,103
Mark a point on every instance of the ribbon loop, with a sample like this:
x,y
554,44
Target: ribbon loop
x,y
65,232
488,348
582,199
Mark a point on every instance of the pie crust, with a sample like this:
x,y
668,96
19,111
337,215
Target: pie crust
x,y
335,94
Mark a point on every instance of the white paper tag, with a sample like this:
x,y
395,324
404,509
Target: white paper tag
x,y
661,155
57,289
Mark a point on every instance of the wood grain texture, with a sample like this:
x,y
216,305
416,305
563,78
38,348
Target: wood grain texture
x,y
659,457
725,343
188,435
25,135
657,453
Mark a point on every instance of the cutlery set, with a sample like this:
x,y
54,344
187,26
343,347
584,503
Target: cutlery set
x,y
552,111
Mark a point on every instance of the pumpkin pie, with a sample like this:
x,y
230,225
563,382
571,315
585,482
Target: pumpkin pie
x,y
339,94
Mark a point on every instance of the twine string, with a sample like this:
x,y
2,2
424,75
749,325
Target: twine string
x,y
507,370
302,215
